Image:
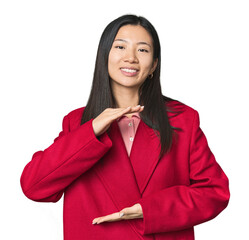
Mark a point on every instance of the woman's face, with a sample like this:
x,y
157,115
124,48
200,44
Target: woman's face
x,y
131,57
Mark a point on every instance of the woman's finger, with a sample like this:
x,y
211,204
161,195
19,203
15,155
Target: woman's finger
x,y
108,218
129,109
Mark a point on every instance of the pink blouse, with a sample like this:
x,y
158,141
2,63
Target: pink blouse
x,y
128,127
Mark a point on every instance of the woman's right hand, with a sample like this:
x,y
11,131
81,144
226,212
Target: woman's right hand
x,y
103,121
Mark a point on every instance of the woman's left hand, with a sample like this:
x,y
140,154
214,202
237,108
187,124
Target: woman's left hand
x,y
129,213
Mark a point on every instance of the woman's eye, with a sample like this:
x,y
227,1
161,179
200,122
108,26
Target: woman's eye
x,y
143,50
119,47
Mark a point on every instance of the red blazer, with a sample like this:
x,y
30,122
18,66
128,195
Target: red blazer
x,y
184,188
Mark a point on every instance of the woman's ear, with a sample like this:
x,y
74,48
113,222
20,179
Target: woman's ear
x,y
154,65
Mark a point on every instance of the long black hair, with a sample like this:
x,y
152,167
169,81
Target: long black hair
x,y
101,97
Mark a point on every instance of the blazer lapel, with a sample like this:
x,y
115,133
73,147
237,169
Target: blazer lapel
x,y
144,154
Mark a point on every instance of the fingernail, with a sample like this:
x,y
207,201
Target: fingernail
x,y
142,106
137,105
121,214
93,222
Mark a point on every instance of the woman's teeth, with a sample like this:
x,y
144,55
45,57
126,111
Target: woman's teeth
x,y
129,70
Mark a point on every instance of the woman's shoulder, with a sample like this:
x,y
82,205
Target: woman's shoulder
x,y
177,106
180,113
76,112
74,117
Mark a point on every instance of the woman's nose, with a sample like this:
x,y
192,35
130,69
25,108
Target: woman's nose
x,y
131,57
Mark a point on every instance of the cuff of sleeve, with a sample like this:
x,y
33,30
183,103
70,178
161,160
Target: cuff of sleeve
x,y
103,139
84,134
147,215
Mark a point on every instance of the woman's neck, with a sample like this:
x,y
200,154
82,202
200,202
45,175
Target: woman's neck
x,y
126,99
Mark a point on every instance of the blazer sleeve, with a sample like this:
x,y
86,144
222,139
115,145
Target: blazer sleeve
x,y
72,153
180,207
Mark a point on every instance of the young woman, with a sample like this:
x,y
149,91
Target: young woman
x,y
132,163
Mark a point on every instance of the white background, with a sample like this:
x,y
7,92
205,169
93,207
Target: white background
x,y
47,56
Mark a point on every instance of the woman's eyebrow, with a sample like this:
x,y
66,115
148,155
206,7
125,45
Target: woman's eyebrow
x,y
123,40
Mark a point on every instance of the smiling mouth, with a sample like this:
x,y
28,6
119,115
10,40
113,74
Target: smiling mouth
x,y
130,72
